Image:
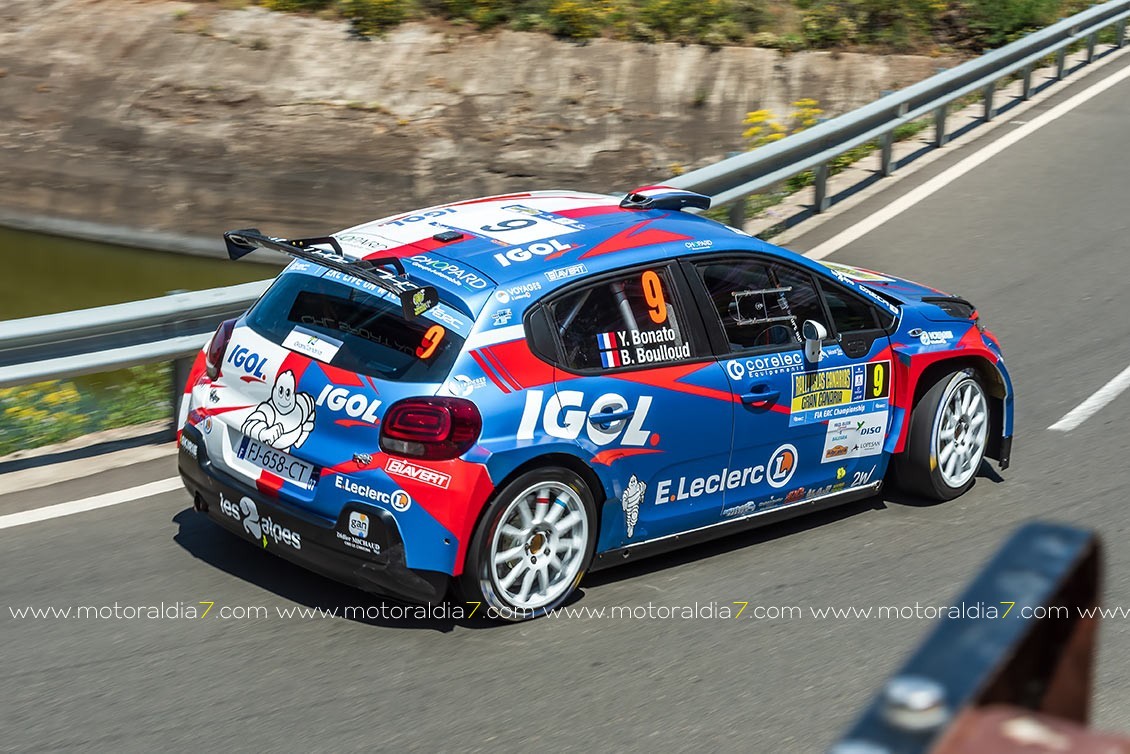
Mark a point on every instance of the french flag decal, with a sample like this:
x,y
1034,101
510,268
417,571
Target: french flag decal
x,y
609,346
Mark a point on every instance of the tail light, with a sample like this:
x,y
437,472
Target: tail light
x,y
432,429
217,347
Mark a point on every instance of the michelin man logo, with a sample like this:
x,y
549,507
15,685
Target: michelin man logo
x,y
630,501
285,419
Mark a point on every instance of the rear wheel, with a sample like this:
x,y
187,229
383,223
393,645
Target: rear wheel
x,y
949,429
533,545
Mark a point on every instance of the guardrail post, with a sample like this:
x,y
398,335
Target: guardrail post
x,y
1026,90
1120,34
737,213
940,126
1092,38
181,368
886,164
990,90
820,200
1060,63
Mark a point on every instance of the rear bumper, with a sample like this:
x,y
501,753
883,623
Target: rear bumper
x,y
374,563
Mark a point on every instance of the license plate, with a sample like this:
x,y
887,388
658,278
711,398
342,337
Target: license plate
x,y
277,462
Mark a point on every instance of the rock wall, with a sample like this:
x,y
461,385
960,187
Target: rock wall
x,y
189,118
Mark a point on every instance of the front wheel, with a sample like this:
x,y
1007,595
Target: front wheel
x,y
533,545
948,432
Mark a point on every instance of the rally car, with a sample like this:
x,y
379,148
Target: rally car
x,y
495,396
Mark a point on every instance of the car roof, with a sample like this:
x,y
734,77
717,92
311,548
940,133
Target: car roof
x,y
565,228
552,237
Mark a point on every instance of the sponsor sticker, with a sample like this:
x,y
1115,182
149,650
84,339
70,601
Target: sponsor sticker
x,y
564,273
407,469
188,445
398,499
264,529
854,436
309,343
358,524
462,385
840,392
357,538
857,274
562,415
776,473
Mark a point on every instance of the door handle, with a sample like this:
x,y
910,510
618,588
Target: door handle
x,y
608,417
761,394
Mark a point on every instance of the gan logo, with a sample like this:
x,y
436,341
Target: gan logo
x,y
398,467
630,501
284,420
360,408
563,416
358,524
777,473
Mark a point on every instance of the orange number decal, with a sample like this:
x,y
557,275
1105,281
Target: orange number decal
x,y
430,342
653,295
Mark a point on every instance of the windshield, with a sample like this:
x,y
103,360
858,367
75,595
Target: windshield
x,y
353,330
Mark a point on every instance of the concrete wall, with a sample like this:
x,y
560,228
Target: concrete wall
x,y
193,119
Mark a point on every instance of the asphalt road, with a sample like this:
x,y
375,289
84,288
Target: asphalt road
x,y
1037,237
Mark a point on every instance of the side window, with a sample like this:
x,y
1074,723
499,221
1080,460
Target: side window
x,y
624,321
761,304
849,314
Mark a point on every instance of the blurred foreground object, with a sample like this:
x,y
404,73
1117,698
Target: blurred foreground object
x,y
1016,678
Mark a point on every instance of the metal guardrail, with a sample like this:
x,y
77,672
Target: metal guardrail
x,y
175,327
733,179
81,342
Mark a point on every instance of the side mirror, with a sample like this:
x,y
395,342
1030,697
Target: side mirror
x,y
813,333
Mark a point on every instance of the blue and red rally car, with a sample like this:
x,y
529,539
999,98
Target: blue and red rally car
x,y
499,395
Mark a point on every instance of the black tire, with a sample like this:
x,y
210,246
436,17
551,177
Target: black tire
x,y
918,468
480,582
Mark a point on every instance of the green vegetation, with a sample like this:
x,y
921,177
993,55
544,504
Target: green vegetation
x,y
50,412
765,127
789,25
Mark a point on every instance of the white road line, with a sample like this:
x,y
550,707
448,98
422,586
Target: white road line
x,y
90,503
1094,404
914,196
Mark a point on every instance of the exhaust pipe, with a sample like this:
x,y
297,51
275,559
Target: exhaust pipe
x,y
199,503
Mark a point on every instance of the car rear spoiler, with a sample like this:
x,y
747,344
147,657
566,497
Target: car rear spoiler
x,y
414,299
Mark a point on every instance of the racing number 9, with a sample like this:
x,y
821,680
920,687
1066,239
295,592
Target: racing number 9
x,y
879,382
653,295
430,341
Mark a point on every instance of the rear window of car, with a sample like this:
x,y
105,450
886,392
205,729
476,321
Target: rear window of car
x,y
369,332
